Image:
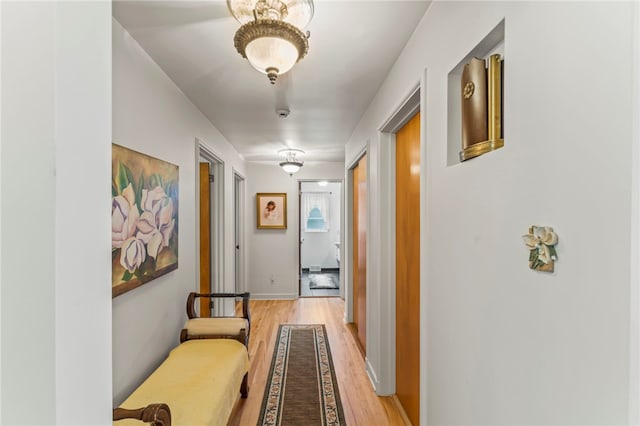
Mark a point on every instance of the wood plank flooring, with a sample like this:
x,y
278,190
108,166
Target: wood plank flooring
x,y
360,403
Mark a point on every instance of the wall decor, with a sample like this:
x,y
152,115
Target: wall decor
x,y
541,242
144,219
271,210
481,93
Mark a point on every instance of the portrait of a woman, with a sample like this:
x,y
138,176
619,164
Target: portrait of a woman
x,y
272,210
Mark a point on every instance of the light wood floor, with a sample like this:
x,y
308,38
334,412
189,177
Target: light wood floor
x,y
360,403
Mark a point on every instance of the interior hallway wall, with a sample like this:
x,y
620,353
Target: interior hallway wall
x,y
55,257
634,299
151,115
503,344
273,253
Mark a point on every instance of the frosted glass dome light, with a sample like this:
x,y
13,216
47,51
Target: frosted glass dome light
x,y
291,164
271,53
271,37
290,168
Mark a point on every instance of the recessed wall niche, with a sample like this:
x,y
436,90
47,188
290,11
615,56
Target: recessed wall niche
x,y
492,43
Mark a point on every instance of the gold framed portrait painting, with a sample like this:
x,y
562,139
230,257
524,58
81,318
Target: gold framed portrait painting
x,y
271,210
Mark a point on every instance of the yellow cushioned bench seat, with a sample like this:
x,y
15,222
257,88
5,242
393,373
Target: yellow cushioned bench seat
x,y
199,381
222,326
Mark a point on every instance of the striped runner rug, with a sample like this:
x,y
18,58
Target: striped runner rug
x,y
301,388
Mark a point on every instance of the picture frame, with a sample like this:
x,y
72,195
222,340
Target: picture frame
x,y
271,210
144,219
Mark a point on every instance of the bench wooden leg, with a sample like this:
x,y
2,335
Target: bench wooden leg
x,y
156,414
244,387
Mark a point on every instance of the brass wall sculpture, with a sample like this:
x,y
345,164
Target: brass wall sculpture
x,y
481,92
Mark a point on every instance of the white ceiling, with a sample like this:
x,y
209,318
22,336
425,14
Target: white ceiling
x,y
352,47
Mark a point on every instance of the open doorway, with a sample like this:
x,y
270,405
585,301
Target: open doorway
x,y
320,223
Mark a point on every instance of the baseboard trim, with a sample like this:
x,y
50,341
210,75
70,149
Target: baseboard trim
x,y
373,377
354,333
322,270
274,296
400,408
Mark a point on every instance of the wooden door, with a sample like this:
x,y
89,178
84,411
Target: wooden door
x,y
205,239
408,268
360,251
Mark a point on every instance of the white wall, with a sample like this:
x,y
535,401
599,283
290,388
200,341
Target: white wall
x,y
151,115
28,132
273,253
83,130
319,248
56,304
503,344
1,198
634,296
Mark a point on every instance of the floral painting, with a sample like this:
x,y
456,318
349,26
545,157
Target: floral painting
x,y
144,219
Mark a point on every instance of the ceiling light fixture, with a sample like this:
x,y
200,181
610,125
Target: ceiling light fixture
x,y
290,164
271,36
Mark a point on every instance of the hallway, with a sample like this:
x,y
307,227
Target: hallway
x,y
361,405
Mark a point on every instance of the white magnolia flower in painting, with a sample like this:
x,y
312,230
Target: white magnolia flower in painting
x,y
133,254
146,226
149,234
165,220
541,239
155,244
124,216
152,201
156,223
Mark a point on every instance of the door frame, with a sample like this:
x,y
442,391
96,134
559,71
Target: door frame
x,y
239,193
346,248
386,253
203,152
341,237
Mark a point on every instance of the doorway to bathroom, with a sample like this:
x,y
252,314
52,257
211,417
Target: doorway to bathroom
x,y
320,223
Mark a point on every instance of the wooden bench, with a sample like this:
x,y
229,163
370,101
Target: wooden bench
x,y
198,383
233,327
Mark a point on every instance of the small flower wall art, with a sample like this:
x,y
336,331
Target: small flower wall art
x,y
541,242
144,219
